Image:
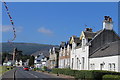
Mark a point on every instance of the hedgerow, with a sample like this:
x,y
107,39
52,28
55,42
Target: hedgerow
x,y
84,74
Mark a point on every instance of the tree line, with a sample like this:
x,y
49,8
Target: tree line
x,y
18,57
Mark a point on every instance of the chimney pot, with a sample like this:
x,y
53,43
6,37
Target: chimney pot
x,y
107,23
89,29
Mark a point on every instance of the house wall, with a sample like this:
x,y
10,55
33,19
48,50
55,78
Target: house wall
x,y
72,56
64,57
53,58
60,58
84,53
79,62
79,56
95,63
119,63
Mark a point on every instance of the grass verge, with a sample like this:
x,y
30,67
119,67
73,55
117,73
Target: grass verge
x,y
3,69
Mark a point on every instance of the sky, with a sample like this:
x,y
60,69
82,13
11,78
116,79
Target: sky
x,y
53,22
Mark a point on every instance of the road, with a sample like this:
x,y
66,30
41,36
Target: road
x,y
20,74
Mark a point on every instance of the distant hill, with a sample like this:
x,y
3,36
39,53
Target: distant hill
x,y
27,48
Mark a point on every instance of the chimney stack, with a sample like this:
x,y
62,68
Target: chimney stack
x,y
14,55
107,23
88,29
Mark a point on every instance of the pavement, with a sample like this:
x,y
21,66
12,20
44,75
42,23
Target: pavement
x,y
19,74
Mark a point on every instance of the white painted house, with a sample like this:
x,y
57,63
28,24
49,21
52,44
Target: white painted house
x,y
18,63
80,50
37,61
61,55
64,55
8,63
44,62
95,50
106,55
106,58
53,57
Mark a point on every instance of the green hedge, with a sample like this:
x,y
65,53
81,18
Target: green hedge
x,y
84,74
64,71
36,69
111,77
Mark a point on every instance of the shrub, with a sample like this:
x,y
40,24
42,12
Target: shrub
x,y
111,77
69,72
98,74
44,68
84,74
36,69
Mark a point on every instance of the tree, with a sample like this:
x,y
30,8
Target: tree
x,y
19,55
4,55
25,57
31,61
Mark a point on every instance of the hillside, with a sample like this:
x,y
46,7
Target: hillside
x,y
27,48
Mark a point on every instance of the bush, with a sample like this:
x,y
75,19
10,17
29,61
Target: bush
x,y
111,77
54,70
84,74
44,68
69,72
98,74
36,69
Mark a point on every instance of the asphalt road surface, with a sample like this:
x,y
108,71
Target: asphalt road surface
x,y
20,74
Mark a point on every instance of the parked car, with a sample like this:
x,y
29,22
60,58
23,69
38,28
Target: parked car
x,y
26,68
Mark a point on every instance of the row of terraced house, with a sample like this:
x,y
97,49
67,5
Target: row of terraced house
x,y
90,51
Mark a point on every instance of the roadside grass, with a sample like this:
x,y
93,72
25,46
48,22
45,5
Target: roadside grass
x,y
3,69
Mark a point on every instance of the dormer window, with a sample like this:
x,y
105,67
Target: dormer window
x,y
74,45
50,51
83,44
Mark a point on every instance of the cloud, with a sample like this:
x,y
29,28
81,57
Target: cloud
x,y
5,28
9,28
19,29
45,31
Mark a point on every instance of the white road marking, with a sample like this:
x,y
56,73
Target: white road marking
x,y
32,75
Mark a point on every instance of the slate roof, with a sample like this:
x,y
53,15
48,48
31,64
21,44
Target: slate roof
x,y
68,43
62,44
77,40
57,49
78,45
101,38
40,57
45,53
109,49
